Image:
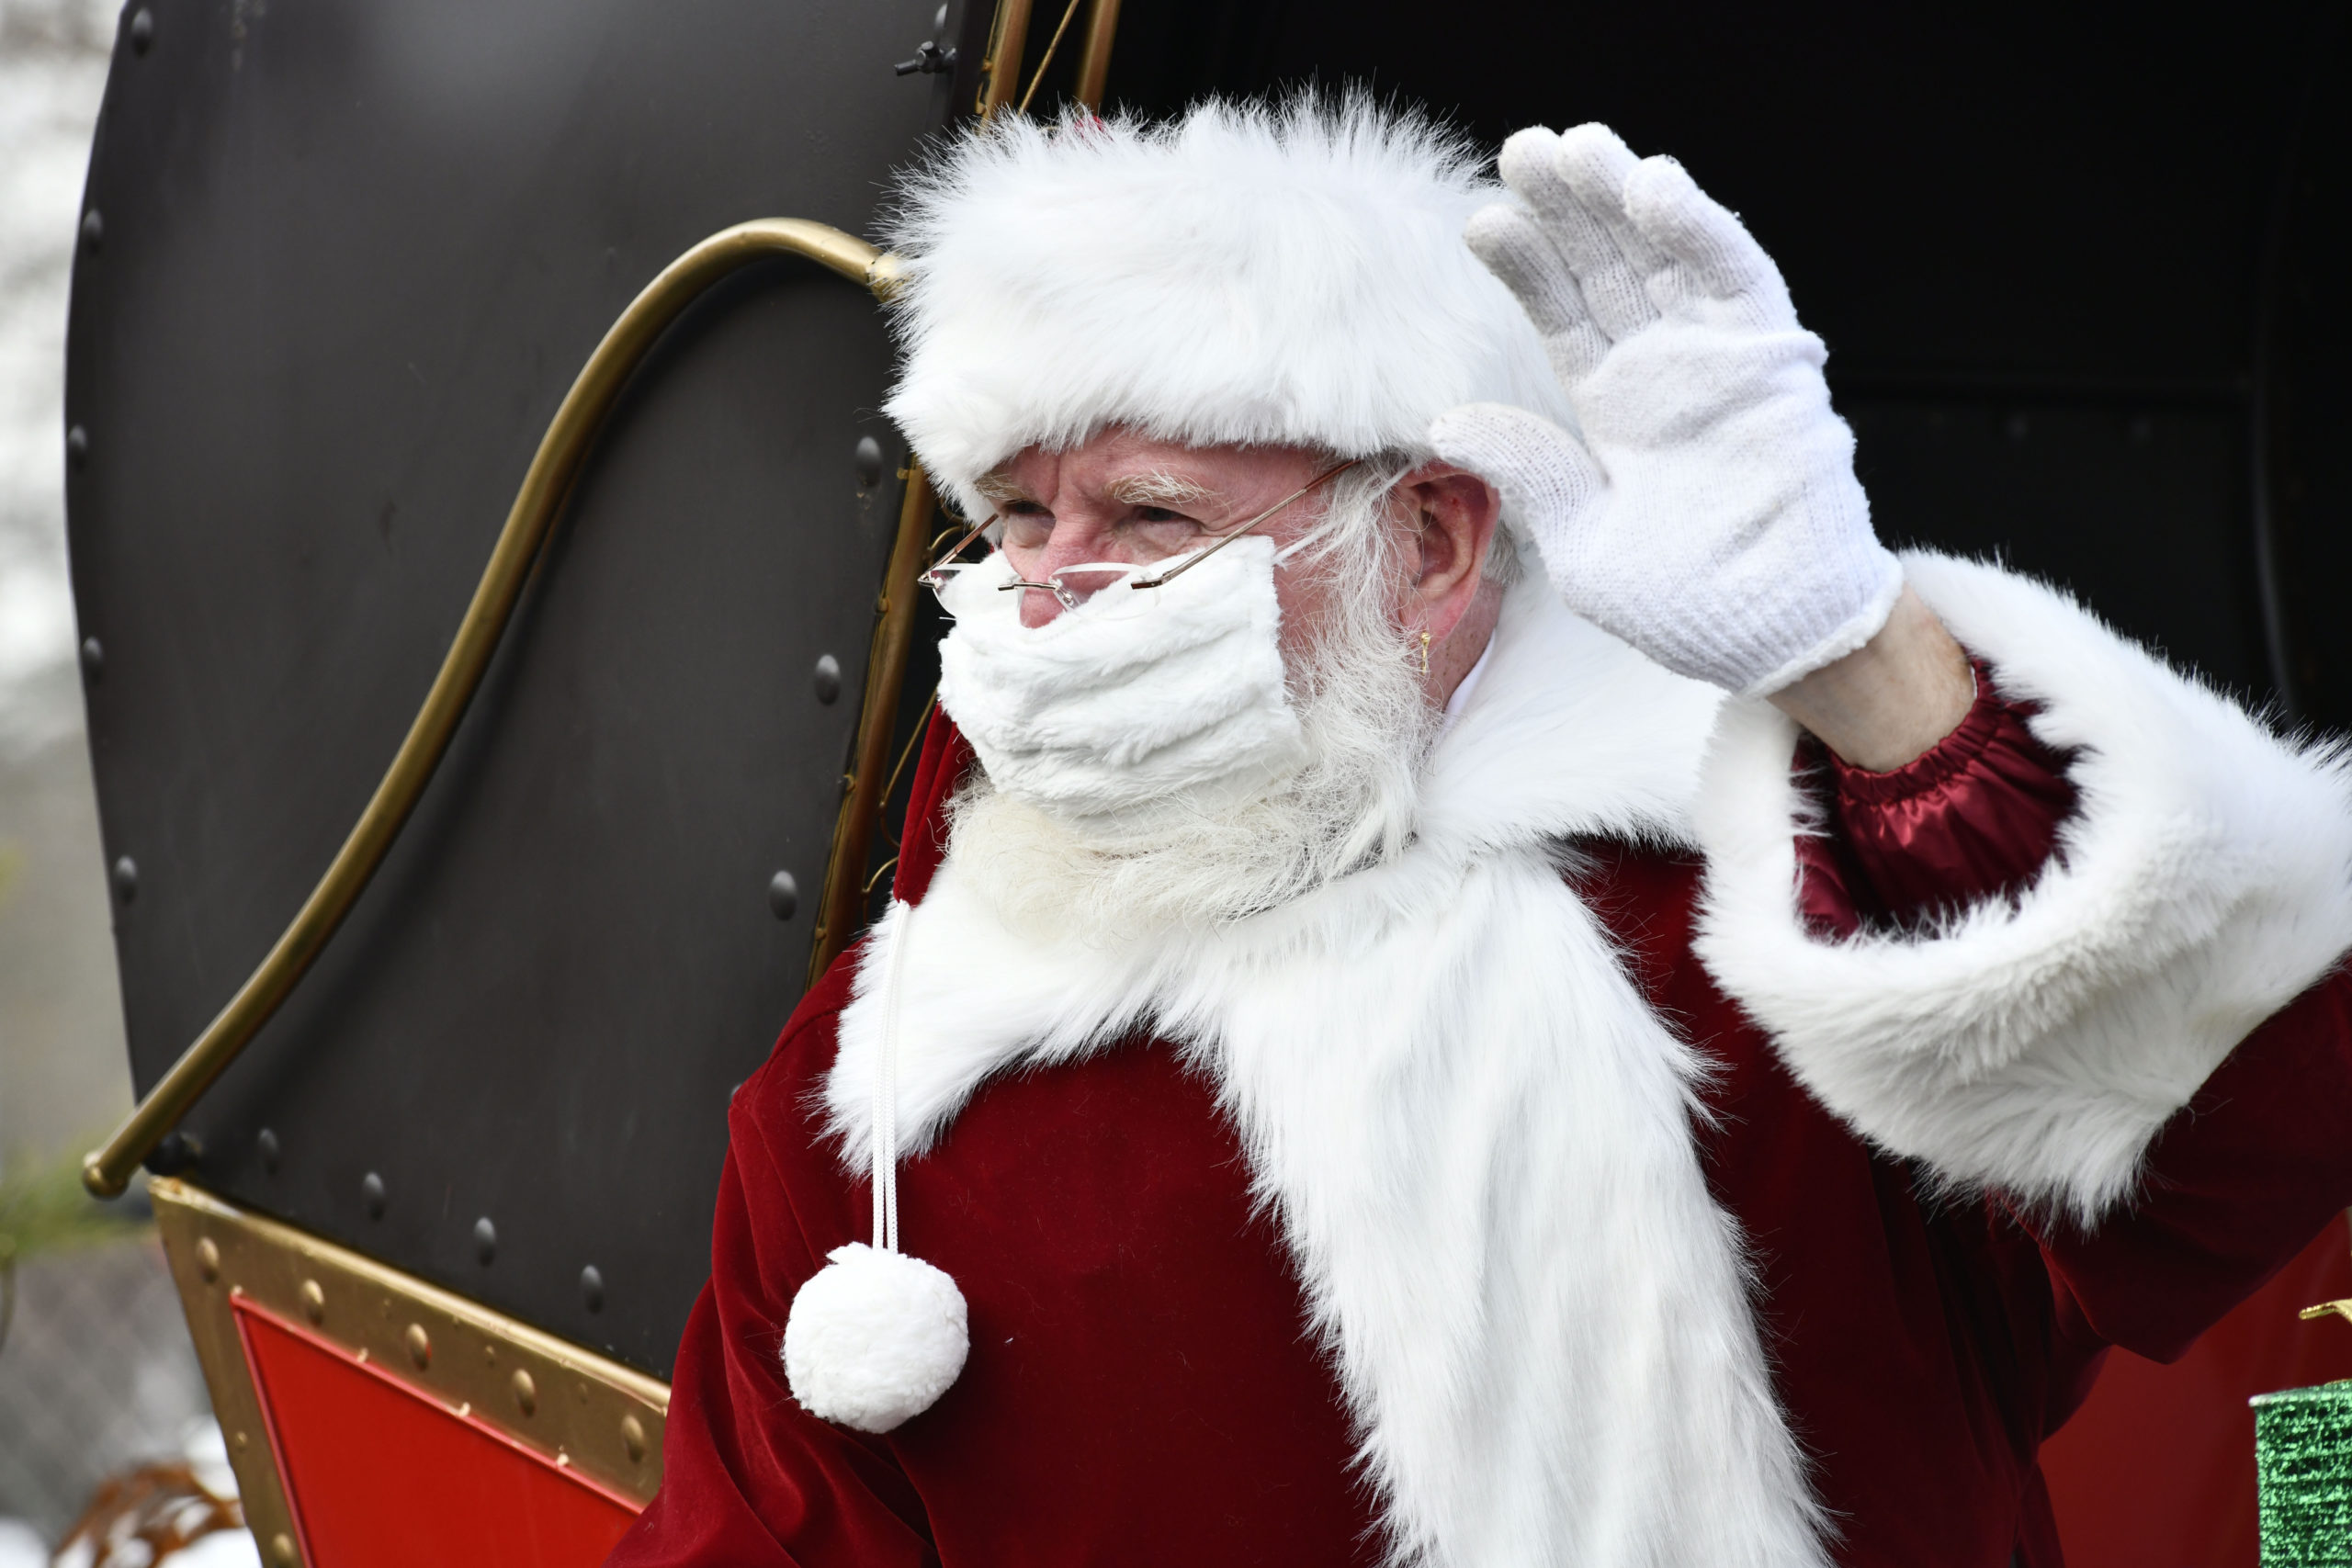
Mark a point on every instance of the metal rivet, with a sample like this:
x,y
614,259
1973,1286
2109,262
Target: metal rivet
x,y
420,1346
172,1153
207,1260
783,894
526,1393
314,1301
143,30
265,1144
829,679
126,879
489,1355
371,1195
94,657
633,1438
241,1442
281,1552
77,442
591,1288
94,230
485,1241
869,462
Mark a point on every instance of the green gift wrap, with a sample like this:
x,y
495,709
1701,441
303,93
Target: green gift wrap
x,y
2302,1462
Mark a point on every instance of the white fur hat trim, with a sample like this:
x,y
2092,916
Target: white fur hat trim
x,y
874,1338
1291,274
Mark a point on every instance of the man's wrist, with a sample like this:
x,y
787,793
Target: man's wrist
x,y
1890,701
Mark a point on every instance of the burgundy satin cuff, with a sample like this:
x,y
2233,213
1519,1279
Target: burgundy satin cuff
x,y
1975,817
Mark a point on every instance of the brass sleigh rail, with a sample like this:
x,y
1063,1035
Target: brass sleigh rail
x,y
107,1172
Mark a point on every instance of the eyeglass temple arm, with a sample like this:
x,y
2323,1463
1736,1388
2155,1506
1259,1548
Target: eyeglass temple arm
x,y
956,548
1165,578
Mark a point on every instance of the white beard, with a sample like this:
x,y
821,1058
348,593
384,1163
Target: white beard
x,y
1207,858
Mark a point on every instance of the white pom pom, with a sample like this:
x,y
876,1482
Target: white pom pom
x,y
874,1338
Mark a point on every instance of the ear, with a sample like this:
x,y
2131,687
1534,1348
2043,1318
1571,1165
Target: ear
x,y
1455,514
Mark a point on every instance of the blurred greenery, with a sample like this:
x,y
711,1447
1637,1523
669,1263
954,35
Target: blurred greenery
x,y
44,1209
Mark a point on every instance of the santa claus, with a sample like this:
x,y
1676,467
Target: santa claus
x,y
1480,975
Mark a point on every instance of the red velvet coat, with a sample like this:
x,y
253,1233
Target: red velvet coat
x,y
1140,1391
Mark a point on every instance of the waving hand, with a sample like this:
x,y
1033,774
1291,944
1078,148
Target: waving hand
x,y
1710,515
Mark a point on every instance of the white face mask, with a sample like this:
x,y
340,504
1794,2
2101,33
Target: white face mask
x,y
1107,711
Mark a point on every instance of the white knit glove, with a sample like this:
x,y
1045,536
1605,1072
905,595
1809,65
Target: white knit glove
x,y
1710,516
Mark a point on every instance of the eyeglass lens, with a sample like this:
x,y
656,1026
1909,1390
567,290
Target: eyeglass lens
x,y
1074,585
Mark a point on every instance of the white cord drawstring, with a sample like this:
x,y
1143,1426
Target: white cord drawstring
x,y
885,1093
875,1336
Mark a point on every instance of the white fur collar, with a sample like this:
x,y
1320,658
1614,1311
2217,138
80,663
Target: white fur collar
x,y
1477,1134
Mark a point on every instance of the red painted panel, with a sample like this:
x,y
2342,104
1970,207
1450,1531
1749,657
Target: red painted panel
x,y
2157,1470
382,1476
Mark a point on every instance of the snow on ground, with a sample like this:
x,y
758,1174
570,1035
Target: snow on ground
x,y
21,1546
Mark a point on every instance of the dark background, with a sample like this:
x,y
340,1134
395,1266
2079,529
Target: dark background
x,y
2080,273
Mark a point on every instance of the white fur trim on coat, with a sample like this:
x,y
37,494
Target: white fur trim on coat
x,y
1244,274
2205,881
1474,1132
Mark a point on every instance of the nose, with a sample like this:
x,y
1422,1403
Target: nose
x,y
1038,606
1074,540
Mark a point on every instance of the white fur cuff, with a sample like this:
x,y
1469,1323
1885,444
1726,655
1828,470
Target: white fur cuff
x,y
2205,881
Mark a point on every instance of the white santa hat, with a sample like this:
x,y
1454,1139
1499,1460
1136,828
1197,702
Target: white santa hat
x,y
1274,274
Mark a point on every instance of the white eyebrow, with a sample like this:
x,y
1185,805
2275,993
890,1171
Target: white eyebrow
x,y
1159,489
